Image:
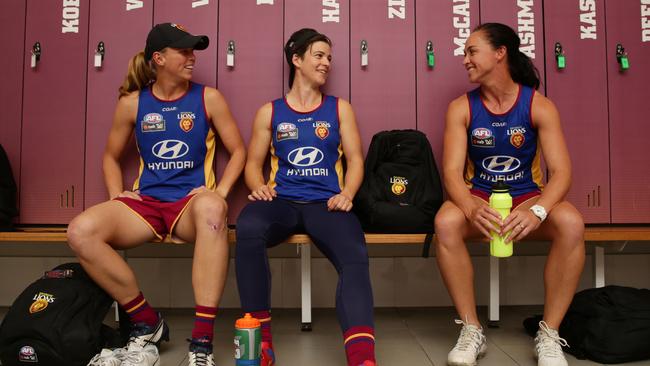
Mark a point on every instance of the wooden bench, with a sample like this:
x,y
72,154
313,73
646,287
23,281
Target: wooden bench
x,y
599,236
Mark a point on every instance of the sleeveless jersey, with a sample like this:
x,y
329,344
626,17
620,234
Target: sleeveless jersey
x,y
503,146
176,145
306,152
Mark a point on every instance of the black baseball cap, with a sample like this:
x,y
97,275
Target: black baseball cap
x,y
172,35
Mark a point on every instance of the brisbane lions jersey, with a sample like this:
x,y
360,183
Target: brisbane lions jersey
x,y
176,144
306,152
503,146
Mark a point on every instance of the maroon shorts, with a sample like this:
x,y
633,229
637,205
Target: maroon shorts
x,y
516,200
160,216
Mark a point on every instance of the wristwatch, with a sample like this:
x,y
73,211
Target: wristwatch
x,y
539,211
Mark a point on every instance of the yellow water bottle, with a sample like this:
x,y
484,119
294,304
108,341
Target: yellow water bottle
x,y
501,201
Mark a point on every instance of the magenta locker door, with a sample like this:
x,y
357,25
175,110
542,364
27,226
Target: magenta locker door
x,y
12,21
383,92
628,24
526,18
198,17
122,29
446,25
331,18
255,28
52,156
579,91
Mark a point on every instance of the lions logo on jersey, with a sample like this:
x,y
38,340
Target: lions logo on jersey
x,y
322,129
517,139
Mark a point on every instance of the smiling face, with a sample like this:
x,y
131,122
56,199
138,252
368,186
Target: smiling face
x,y
481,57
175,61
314,65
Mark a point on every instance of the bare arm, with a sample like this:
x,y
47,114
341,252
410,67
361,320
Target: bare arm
x,y
118,137
257,151
453,161
228,131
547,121
351,142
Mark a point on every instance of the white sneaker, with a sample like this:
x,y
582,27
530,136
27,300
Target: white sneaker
x,y
200,353
548,347
470,346
142,356
108,357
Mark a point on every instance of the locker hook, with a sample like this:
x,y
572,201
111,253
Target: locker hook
x,y
230,54
36,54
101,49
364,53
559,56
621,57
431,58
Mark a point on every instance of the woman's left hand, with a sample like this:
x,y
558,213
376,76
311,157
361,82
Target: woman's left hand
x,y
339,202
519,224
198,190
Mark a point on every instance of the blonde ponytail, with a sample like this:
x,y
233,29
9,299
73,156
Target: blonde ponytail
x,y
139,75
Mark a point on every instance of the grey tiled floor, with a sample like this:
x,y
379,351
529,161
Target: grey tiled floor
x,y
405,337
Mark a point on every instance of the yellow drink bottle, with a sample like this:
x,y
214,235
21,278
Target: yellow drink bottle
x,y
501,201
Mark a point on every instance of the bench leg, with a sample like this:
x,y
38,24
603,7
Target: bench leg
x,y
599,266
493,307
305,290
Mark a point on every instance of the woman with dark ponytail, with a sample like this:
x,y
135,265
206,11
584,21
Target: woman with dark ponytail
x,y
176,194
498,132
309,135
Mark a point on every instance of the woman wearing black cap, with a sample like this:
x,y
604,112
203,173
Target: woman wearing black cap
x,y
309,134
175,194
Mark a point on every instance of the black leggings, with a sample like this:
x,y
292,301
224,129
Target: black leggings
x,y
264,224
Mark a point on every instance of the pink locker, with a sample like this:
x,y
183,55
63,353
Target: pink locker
x,y
198,17
12,21
54,111
579,91
255,28
628,25
446,25
526,18
331,18
383,92
121,28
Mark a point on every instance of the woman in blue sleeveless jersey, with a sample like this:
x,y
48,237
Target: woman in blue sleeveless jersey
x,y
175,122
309,135
497,133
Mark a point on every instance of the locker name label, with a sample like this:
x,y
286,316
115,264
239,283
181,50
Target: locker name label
x,y
588,19
331,12
462,24
397,9
70,21
526,27
645,20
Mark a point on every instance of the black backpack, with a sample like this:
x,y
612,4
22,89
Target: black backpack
x,y
610,324
401,190
57,321
8,193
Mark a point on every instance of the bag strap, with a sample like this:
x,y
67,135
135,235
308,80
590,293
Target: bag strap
x,y
427,245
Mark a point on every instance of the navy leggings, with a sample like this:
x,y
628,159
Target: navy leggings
x,y
338,235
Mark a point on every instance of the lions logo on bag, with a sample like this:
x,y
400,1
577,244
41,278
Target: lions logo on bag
x,y
399,185
41,301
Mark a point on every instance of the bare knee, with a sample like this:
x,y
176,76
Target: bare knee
x,y
210,209
449,225
80,233
568,224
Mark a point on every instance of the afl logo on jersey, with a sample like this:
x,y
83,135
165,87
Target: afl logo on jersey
x,y
482,137
153,122
305,156
170,149
501,164
286,131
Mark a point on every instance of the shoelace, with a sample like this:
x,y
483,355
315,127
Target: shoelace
x,y
200,359
136,336
469,336
549,343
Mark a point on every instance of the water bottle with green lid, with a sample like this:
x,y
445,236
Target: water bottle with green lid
x,y
501,201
